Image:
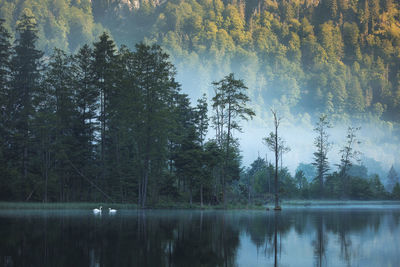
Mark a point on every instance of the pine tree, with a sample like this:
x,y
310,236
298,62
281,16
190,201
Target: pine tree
x,y
85,99
183,138
392,178
202,128
188,161
202,118
322,144
348,154
5,55
59,82
154,79
333,8
104,59
230,98
25,67
396,191
377,188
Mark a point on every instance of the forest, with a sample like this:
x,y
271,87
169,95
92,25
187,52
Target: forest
x,y
110,124
330,56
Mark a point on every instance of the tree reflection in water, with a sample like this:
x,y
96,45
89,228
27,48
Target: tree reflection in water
x,y
297,237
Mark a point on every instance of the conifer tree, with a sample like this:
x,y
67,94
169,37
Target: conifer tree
x,y
104,59
25,79
392,178
348,154
58,80
85,99
154,79
5,55
322,144
202,128
230,104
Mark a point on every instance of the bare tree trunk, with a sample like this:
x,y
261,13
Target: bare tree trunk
x,y
191,195
276,122
140,192
227,153
145,182
26,162
276,168
275,242
201,195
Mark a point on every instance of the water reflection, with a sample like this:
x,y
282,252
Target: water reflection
x,y
298,237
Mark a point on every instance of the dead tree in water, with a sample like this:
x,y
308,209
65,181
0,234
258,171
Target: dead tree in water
x,y
277,145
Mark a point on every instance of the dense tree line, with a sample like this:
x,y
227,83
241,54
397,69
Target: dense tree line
x,y
332,56
312,181
111,124
66,24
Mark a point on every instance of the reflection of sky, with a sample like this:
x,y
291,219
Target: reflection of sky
x,y
349,235
370,246
296,251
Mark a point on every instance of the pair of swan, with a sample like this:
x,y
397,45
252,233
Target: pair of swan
x,y
98,210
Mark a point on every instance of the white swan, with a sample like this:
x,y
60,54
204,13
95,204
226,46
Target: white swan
x,y
112,211
97,211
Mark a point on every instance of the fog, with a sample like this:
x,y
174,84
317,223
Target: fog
x,y
376,144
379,145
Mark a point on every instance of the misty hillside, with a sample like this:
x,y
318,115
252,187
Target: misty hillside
x,y
86,86
334,56
302,57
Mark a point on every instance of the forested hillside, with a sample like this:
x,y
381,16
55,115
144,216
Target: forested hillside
x,y
334,56
84,118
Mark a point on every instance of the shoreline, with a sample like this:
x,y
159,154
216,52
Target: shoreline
x,y
185,206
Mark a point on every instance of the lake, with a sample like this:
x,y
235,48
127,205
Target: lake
x,y
327,236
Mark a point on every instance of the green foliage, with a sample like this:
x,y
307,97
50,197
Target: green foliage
x,y
111,123
322,145
300,55
396,191
230,108
393,179
62,23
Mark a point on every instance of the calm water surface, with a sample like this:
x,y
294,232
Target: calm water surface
x,y
351,236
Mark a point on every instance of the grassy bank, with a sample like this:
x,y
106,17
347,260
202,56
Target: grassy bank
x,y
62,205
91,205
180,205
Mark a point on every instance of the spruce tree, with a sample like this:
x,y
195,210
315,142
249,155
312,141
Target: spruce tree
x,y
392,179
348,154
25,65
86,105
156,86
5,55
230,105
322,145
202,128
59,83
104,59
